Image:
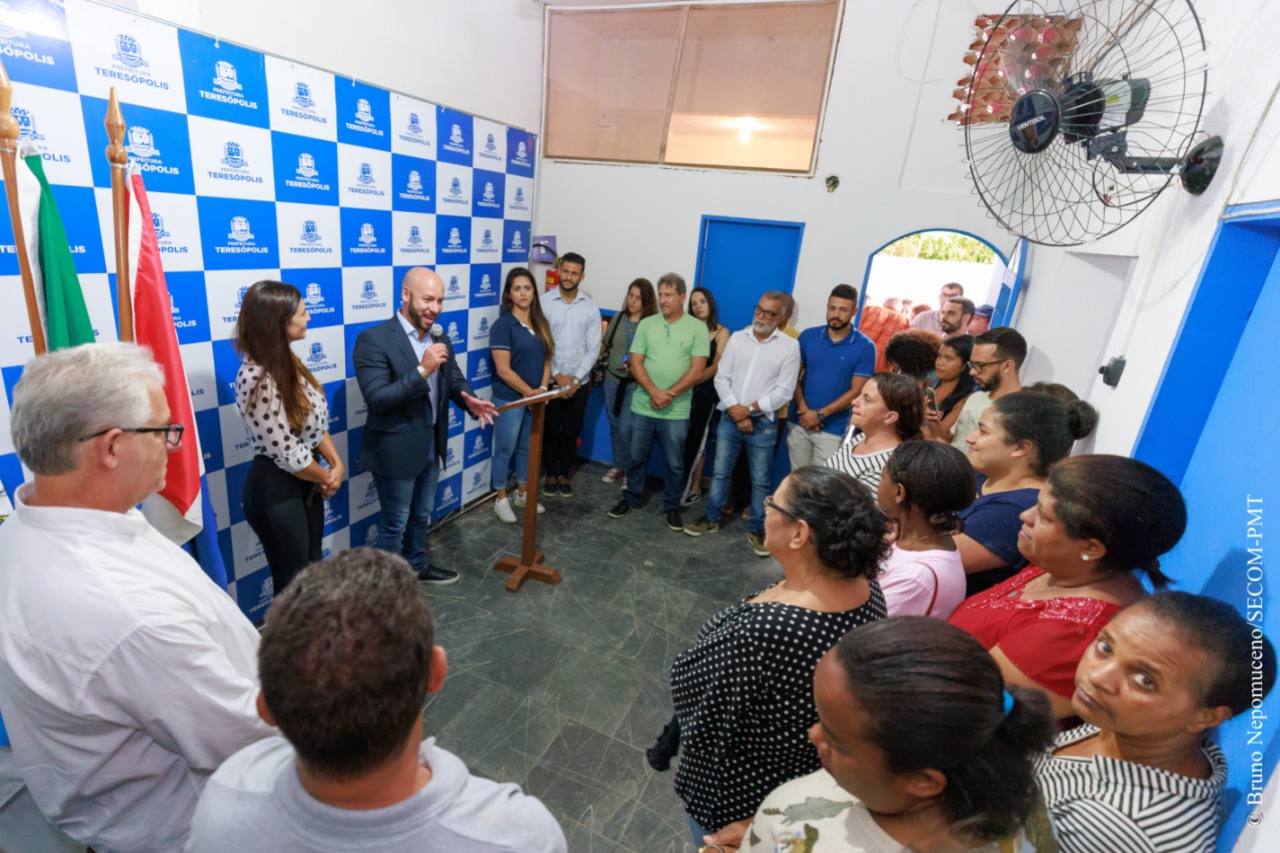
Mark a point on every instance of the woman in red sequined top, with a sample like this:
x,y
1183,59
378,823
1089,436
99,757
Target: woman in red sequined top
x,y
1097,521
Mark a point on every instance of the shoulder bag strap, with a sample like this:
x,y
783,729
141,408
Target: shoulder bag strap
x,y
934,599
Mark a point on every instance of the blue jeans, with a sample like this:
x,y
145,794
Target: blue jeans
x,y
697,830
619,424
760,447
510,439
671,437
406,514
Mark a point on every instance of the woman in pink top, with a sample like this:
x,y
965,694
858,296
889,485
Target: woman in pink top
x,y
924,487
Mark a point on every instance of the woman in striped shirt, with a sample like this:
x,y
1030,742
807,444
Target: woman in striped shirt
x,y
1141,774
889,411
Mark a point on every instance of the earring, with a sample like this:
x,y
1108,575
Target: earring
x,y
1084,557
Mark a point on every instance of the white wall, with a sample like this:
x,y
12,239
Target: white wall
x,y
920,280
479,56
1171,239
644,220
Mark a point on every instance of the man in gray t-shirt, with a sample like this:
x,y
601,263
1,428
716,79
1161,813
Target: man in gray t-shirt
x,y
347,660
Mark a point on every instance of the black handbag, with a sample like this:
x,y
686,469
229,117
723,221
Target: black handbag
x,y
601,367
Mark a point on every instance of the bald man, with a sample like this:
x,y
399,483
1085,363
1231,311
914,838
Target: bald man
x,y
407,374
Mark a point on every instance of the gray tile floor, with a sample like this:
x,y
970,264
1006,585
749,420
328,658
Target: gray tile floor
x,y
561,689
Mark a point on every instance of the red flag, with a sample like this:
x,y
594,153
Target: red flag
x,y
175,510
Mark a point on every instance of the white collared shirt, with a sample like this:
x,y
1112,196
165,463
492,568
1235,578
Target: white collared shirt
x,y
420,345
575,328
126,676
755,371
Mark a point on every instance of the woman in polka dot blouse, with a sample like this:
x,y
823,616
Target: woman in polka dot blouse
x,y
744,693
286,417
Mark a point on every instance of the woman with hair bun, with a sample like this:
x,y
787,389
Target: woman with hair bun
x,y
922,748
744,693
1097,521
1018,438
923,489
1142,773
287,417
889,411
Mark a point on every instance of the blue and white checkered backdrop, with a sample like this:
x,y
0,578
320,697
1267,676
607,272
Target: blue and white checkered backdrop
x,y
262,168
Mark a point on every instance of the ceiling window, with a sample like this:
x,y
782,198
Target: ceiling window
x,y
729,86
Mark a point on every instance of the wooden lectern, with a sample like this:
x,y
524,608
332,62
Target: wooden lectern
x,y
529,565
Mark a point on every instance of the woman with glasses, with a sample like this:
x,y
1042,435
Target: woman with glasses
x,y
703,416
1098,521
619,385
287,419
889,411
1018,438
744,693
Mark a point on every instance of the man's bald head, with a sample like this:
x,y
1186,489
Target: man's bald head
x,y
421,298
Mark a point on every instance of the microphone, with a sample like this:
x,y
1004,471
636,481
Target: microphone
x,y
437,333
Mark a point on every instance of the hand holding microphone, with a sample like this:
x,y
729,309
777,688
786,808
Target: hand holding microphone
x,y
435,354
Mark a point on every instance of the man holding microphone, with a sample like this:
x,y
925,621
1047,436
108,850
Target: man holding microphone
x,y
407,374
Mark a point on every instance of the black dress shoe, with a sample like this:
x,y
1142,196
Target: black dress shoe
x,y
674,521
620,509
437,576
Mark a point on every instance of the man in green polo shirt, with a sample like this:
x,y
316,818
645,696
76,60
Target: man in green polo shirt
x,y
668,354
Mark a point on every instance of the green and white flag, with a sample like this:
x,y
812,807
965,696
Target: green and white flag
x,y
62,309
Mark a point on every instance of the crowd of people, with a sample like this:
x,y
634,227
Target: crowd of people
x,y
961,651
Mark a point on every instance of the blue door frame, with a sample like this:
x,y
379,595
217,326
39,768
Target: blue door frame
x,y
1202,431
1004,310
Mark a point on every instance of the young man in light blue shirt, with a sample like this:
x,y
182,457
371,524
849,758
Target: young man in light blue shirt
x,y
575,327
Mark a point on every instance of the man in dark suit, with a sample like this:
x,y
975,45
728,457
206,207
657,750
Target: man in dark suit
x,y
407,374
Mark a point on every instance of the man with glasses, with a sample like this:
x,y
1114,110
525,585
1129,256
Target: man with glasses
x,y
126,676
997,357
756,378
668,354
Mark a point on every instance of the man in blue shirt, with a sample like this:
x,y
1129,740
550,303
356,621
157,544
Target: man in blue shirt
x,y
575,327
836,360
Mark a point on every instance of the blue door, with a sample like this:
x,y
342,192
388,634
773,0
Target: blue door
x,y
739,259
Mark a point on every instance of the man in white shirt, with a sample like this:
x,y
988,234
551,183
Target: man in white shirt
x,y
932,320
575,327
126,675
756,378
352,771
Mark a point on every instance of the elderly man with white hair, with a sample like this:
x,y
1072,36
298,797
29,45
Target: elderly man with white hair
x,y
126,676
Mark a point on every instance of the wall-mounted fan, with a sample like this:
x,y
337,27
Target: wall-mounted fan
x,y
1077,116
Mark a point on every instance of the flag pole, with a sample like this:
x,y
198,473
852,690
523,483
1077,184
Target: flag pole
x,y
9,133
119,160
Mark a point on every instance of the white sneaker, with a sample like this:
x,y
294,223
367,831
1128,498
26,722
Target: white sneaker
x,y
612,475
519,500
502,506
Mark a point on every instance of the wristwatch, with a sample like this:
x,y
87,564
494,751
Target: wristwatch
x,y
576,381
422,371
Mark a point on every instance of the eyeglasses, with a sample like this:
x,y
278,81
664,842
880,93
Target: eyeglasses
x,y
770,503
983,365
771,315
172,433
